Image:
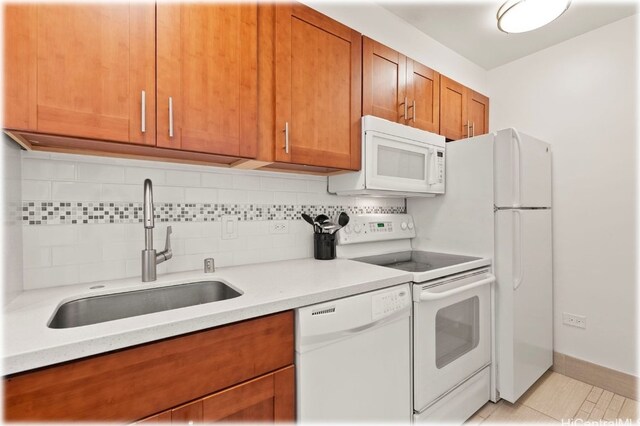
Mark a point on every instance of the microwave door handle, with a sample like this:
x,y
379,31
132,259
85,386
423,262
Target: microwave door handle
x,y
429,296
432,167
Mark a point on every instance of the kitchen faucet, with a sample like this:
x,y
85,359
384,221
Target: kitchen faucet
x,y
149,256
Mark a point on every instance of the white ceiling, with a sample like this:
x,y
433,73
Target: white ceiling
x,y
469,27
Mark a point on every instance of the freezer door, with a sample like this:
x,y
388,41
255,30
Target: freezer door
x,y
522,170
524,319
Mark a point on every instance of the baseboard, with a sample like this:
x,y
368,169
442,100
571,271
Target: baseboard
x,y
606,378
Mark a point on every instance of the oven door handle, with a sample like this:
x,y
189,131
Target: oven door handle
x,y
428,296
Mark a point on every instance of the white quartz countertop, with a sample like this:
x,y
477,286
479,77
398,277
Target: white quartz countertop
x,y
267,288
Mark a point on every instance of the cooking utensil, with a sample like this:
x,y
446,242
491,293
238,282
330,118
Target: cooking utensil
x,y
308,219
343,219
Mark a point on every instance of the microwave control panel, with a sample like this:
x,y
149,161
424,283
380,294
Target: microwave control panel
x,y
440,166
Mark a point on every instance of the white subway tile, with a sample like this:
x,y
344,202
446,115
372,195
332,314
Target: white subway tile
x,y
180,178
232,196
99,173
196,229
216,180
168,194
111,270
280,184
122,250
120,193
76,254
184,263
201,195
317,186
76,191
50,277
286,240
285,198
223,259
236,244
201,245
137,175
133,232
101,233
246,182
48,169
260,197
36,190
133,267
37,257
259,242
49,235
253,227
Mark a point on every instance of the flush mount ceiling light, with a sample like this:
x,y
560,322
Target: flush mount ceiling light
x,y
519,16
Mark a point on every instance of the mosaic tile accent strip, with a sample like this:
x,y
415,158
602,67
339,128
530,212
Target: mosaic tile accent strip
x,y
65,213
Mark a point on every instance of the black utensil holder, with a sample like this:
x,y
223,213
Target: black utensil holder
x,y
324,246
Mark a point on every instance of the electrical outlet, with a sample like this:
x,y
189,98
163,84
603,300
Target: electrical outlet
x,y
579,321
229,227
278,227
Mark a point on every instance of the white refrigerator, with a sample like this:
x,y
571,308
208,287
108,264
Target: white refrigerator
x,y
497,203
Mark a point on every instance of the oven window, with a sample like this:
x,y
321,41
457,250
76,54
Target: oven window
x,y
457,330
394,162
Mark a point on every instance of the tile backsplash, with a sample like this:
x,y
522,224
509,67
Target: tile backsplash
x,y
82,216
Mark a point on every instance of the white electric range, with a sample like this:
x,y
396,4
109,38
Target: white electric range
x,y
452,315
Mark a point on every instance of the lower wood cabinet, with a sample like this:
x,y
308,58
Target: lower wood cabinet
x,y
269,398
241,371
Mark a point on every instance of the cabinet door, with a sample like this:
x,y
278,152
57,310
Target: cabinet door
x,y
207,77
267,398
83,70
453,109
478,113
384,78
318,89
423,88
189,413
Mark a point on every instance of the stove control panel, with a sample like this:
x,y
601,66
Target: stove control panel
x,y
377,227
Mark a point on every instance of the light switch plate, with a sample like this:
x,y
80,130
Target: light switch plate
x,y
229,227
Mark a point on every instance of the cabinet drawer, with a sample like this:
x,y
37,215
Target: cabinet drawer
x,y
134,383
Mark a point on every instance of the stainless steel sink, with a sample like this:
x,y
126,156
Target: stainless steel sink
x,y
109,307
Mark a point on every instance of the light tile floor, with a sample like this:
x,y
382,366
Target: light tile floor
x,y
556,398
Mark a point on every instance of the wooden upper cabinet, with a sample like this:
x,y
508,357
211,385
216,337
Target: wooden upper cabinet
x,y
318,89
81,70
423,88
463,112
207,77
398,88
384,80
478,113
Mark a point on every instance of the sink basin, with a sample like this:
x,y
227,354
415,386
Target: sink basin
x,y
109,307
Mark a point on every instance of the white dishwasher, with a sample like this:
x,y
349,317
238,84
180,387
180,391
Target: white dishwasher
x,y
353,358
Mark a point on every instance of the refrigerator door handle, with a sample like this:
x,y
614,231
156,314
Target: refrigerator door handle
x,y
517,247
517,170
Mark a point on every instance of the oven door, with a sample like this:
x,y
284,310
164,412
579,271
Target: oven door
x,y
451,335
396,164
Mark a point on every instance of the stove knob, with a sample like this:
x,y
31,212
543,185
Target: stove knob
x,y
403,225
357,228
410,225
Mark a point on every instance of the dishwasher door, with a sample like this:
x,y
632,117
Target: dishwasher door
x,y
353,358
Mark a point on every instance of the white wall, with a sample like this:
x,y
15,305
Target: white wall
x,y
580,96
374,21
59,252
11,224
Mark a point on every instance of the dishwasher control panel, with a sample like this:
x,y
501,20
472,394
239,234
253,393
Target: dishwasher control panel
x,y
386,303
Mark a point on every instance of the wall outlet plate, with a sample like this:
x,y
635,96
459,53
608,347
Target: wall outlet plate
x,y
573,320
278,227
229,227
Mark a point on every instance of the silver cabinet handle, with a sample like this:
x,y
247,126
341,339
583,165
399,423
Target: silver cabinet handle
x,y
467,126
143,113
473,129
170,117
286,137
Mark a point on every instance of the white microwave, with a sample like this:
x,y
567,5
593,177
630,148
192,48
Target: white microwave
x,y
397,161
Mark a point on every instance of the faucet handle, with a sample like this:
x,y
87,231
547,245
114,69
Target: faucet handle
x,y
165,254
